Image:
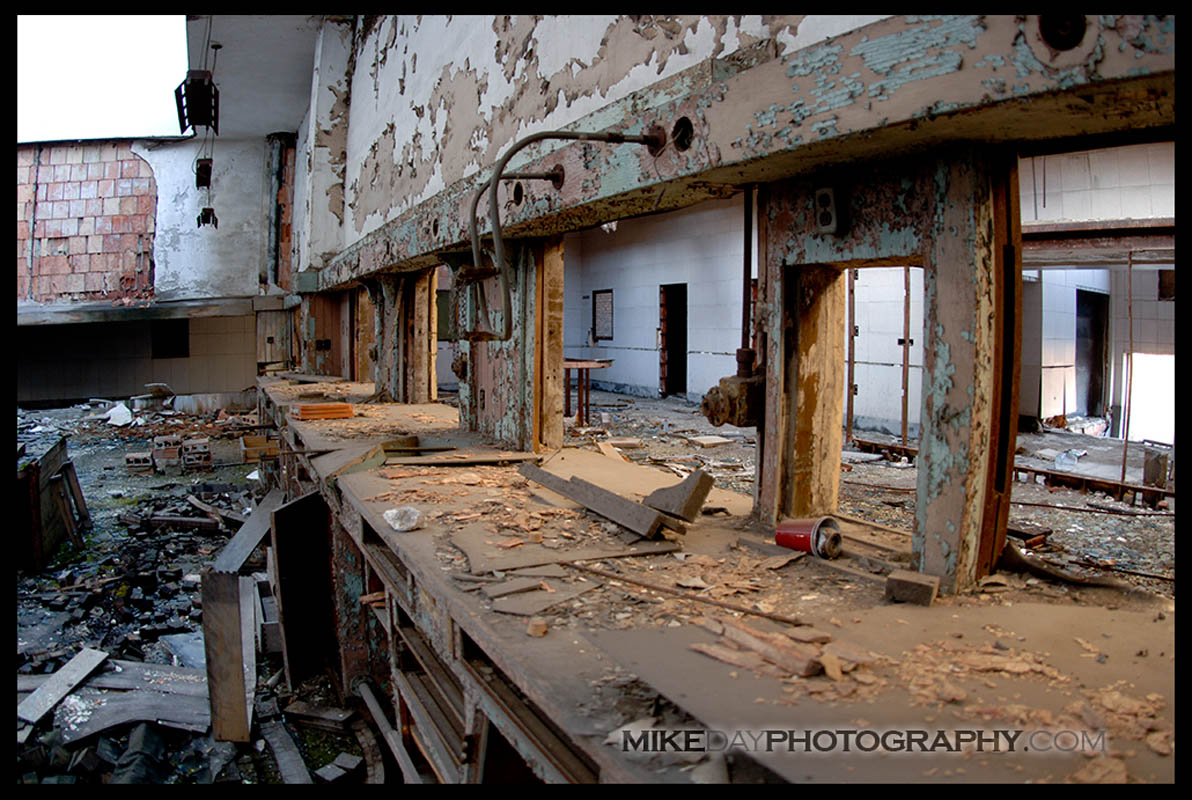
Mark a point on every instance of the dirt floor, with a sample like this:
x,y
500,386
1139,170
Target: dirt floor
x,y
131,588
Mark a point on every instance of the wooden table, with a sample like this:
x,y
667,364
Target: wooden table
x,y
583,385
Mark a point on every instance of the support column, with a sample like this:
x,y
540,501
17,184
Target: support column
x,y
549,348
972,290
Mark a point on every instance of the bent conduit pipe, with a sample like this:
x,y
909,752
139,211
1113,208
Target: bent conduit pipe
x,y
484,331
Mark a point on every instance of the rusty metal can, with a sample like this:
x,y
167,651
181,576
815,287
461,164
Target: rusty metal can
x,y
819,536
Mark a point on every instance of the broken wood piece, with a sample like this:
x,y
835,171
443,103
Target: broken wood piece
x,y
289,759
808,635
684,499
88,716
738,658
532,603
686,596
536,627
325,718
610,451
60,684
904,586
372,598
175,521
709,441
494,591
831,664
219,512
778,562
634,516
798,659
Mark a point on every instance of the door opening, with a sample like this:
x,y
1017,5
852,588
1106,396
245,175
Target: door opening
x,y
672,326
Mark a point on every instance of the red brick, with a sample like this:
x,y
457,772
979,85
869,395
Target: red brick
x,y
22,284
54,191
24,156
78,244
78,263
86,226
42,191
129,169
53,155
146,204
94,244
111,206
74,154
136,223
141,186
146,170
90,154
78,208
70,227
22,230
61,210
70,191
89,190
111,169
59,265
61,173
95,171
78,172
105,188
39,229
23,175
123,187
128,205
128,242
103,225
53,228
93,282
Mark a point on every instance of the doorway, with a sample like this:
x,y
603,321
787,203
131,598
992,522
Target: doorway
x,y
672,345
1092,321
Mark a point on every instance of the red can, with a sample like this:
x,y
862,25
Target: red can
x,y
819,536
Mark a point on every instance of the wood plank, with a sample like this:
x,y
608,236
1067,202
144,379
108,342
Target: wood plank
x,y
105,710
250,535
131,675
223,644
60,684
610,451
76,493
322,717
219,512
289,761
797,659
738,658
684,499
634,516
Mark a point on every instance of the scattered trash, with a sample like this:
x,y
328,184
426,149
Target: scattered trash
x,y
119,416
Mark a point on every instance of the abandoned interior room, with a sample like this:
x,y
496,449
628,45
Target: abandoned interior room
x,y
683,399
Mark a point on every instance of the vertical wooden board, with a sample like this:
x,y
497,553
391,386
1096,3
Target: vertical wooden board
x,y
223,644
550,305
249,611
302,558
421,338
432,305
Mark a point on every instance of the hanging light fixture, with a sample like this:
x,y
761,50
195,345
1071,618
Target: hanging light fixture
x,y
197,100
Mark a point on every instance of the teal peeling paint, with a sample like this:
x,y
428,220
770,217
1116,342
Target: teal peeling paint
x,y
815,61
910,48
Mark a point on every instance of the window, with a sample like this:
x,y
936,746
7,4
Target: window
x,y
602,314
446,330
170,338
1167,284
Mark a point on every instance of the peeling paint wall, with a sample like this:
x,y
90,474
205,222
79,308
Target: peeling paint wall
x,y
435,100
206,262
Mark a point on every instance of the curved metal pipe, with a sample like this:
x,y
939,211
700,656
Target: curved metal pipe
x,y
484,331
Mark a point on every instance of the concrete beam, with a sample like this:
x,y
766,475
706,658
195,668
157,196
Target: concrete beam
x,y
901,84
75,313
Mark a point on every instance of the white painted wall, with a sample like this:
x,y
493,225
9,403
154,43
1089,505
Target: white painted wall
x,y
700,246
1132,182
1154,330
197,263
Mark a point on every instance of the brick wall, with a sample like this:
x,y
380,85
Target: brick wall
x,y
285,202
85,222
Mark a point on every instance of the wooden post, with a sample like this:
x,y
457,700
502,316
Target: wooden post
x,y
549,431
850,381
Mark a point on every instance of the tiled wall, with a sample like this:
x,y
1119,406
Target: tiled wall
x,y
701,247
85,222
67,362
1133,182
877,405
